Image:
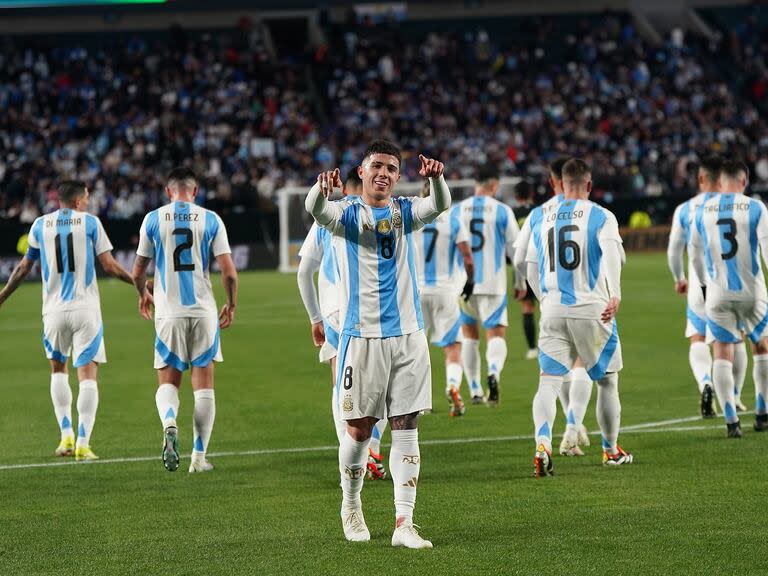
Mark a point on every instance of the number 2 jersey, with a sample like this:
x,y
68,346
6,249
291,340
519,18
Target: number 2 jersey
x,y
728,230
67,242
568,243
181,237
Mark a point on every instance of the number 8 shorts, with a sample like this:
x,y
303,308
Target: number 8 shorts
x,y
180,342
77,333
383,377
562,340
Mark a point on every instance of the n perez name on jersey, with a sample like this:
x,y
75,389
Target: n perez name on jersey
x,y
181,217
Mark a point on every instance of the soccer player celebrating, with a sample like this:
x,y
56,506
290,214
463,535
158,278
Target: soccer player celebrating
x,y
65,241
383,367
729,238
494,229
574,266
444,244
181,236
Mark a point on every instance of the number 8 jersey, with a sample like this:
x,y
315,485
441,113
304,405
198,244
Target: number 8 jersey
x,y
181,237
568,240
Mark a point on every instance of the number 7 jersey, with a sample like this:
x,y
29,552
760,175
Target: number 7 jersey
x,y
181,237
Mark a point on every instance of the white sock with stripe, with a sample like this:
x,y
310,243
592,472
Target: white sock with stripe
x,y
404,466
496,355
722,374
453,374
376,435
470,356
740,363
167,402
579,395
87,404
700,359
202,421
353,456
545,409
609,411
61,396
760,375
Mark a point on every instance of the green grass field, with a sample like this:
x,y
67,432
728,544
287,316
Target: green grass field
x,y
693,500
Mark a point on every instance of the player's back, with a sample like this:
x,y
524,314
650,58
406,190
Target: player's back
x,y
491,225
181,237
566,244
730,226
440,267
68,242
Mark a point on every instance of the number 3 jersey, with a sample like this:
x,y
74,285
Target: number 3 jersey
x,y
66,242
568,243
181,237
728,228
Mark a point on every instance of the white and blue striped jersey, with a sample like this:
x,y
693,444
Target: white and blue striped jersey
x,y
66,242
568,240
524,237
376,257
493,227
181,237
440,265
680,236
728,231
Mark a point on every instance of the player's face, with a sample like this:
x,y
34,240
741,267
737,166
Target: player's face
x,y
379,173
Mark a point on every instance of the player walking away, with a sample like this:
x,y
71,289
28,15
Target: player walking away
x,y
317,255
574,266
444,246
576,389
383,368
65,242
493,227
181,236
729,237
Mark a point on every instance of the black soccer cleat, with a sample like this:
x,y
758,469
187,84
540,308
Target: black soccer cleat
x,y
708,402
493,390
734,429
761,422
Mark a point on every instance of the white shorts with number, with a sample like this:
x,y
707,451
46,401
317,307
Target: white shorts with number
x,y
442,318
562,340
180,342
78,333
330,347
696,313
383,377
727,318
489,309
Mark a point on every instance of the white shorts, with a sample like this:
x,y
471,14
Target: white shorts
x,y
490,309
383,377
562,340
695,313
727,318
78,333
180,342
442,318
330,347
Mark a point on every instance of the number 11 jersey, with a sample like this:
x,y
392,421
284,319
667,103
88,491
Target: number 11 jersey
x,y
181,237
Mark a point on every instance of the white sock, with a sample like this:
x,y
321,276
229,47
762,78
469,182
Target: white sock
x,y
87,404
700,359
404,465
61,396
740,362
545,409
609,410
202,421
722,375
564,393
760,376
580,393
470,356
353,457
338,423
453,374
496,355
167,402
376,434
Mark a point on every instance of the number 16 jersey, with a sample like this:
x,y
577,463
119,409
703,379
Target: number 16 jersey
x,y
181,237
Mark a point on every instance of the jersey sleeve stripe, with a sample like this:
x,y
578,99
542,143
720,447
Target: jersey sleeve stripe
x,y
211,229
153,232
536,220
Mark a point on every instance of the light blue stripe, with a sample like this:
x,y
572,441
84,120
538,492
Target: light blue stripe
x,y
37,232
760,407
199,445
721,334
170,413
375,433
351,240
726,211
754,220
685,221
466,318
730,413
595,224
211,229
389,311
571,419
331,335
66,424
551,366
186,277
606,445
545,431
81,431
704,242
91,239
87,355
55,354
451,337
64,228
537,217
453,253
429,235
328,262
169,357
153,233
699,323
502,220
207,357
597,371
564,277
757,333
478,203
493,320
407,215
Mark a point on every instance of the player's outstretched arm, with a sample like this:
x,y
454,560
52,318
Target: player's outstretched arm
x,y
113,268
229,279
20,272
439,199
146,301
324,212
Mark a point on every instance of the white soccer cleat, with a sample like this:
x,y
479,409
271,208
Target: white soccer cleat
x,y
532,354
200,466
583,436
406,535
354,526
570,444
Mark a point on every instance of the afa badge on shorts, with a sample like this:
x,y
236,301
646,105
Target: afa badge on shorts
x,y
347,405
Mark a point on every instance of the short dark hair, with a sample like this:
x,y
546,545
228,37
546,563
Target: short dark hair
x,y
486,173
384,147
181,174
353,179
734,168
523,190
556,167
70,190
575,171
712,166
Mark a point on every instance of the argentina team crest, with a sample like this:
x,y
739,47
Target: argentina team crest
x,y
383,227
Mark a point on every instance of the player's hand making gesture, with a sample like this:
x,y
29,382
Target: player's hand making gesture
x,y
328,181
430,168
